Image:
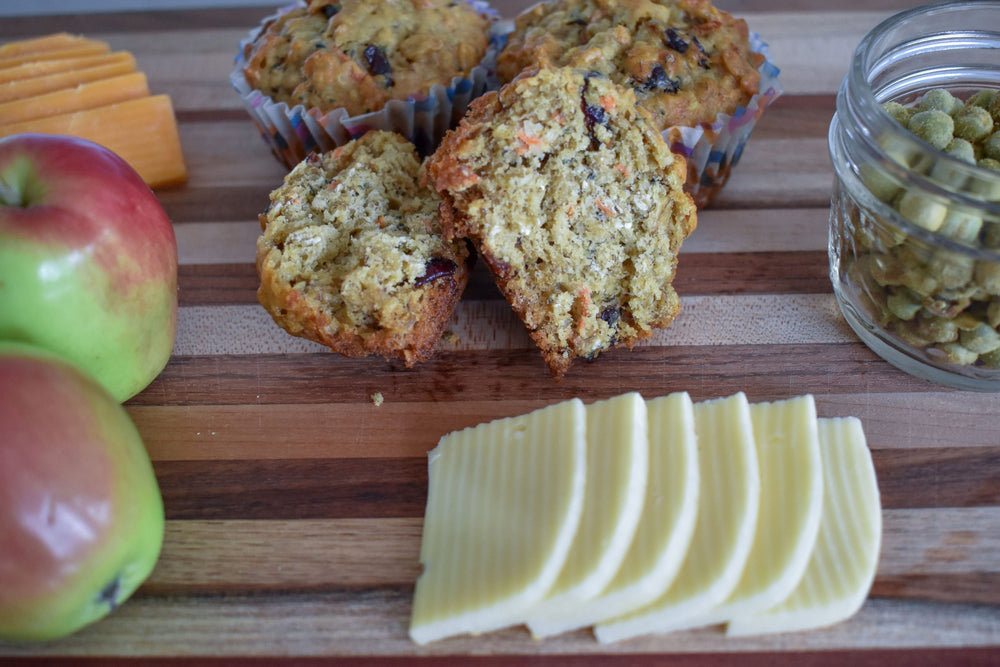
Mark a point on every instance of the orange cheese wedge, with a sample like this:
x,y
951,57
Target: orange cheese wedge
x,y
35,69
78,98
78,51
53,42
40,85
142,131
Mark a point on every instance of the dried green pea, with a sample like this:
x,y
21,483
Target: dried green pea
x,y
991,146
907,332
885,270
987,275
961,226
936,329
991,359
980,340
951,270
993,313
956,354
941,100
922,211
973,123
898,112
933,126
982,98
903,304
880,185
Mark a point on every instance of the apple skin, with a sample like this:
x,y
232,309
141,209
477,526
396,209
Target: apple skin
x,y
81,513
88,260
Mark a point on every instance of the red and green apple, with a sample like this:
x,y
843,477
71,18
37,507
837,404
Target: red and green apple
x,y
88,260
81,515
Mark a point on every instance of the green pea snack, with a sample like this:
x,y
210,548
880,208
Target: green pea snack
x,y
938,296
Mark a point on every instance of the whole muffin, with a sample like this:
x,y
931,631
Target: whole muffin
x,y
685,60
576,205
359,54
352,255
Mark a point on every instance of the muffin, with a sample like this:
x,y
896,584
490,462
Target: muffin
x,y
686,61
352,255
575,204
322,72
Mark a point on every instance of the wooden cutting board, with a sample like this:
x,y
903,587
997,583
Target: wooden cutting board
x,y
295,504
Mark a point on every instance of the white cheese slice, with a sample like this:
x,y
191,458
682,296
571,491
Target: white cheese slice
x,y
842,565
791,503
665,526
728,503
617,468
504,502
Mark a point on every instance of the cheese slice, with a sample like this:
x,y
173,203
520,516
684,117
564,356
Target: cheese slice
x,y
665,526
54,42
89,48
842,565
78,98
617,468
143,132
33,70
728,504
39,85
504,503
791,503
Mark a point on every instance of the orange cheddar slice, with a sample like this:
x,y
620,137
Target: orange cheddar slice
x,y
40,85
142,131
78,51
53,42
40,68
79,98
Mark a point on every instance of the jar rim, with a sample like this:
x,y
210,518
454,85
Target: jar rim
x,y
876,47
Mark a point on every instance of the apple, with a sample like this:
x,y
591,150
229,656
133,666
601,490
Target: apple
x,y
81,516
88,260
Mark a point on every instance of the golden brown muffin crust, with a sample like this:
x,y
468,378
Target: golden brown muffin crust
x,y
358,54
576,205
352,255
686,60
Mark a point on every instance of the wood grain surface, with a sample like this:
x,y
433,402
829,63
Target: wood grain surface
x,y
294,504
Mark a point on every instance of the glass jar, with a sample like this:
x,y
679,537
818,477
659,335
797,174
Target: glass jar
x,y
915,231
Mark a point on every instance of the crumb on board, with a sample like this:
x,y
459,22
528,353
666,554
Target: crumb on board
x,y
450,336
377,398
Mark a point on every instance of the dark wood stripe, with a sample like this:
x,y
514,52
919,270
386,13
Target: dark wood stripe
x,y
293,489
915,657
397,487
223,203
967,587
938,477
764,371
698,274
18,27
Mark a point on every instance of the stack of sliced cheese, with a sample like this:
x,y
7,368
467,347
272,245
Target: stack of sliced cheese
x,y
636,517
67,84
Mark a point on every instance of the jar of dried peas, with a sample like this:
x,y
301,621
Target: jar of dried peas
x,y
915,216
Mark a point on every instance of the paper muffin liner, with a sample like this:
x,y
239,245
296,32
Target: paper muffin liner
x,y
713,149
292,132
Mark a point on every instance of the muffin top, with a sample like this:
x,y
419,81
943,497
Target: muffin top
x,y
359,54
686,60
351,244
575,203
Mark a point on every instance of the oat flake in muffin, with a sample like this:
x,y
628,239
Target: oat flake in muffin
x,y
359,54
352,255
686,60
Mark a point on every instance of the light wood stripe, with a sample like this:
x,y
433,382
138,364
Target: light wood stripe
x,y
482,325
322,554
353,430
770,230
